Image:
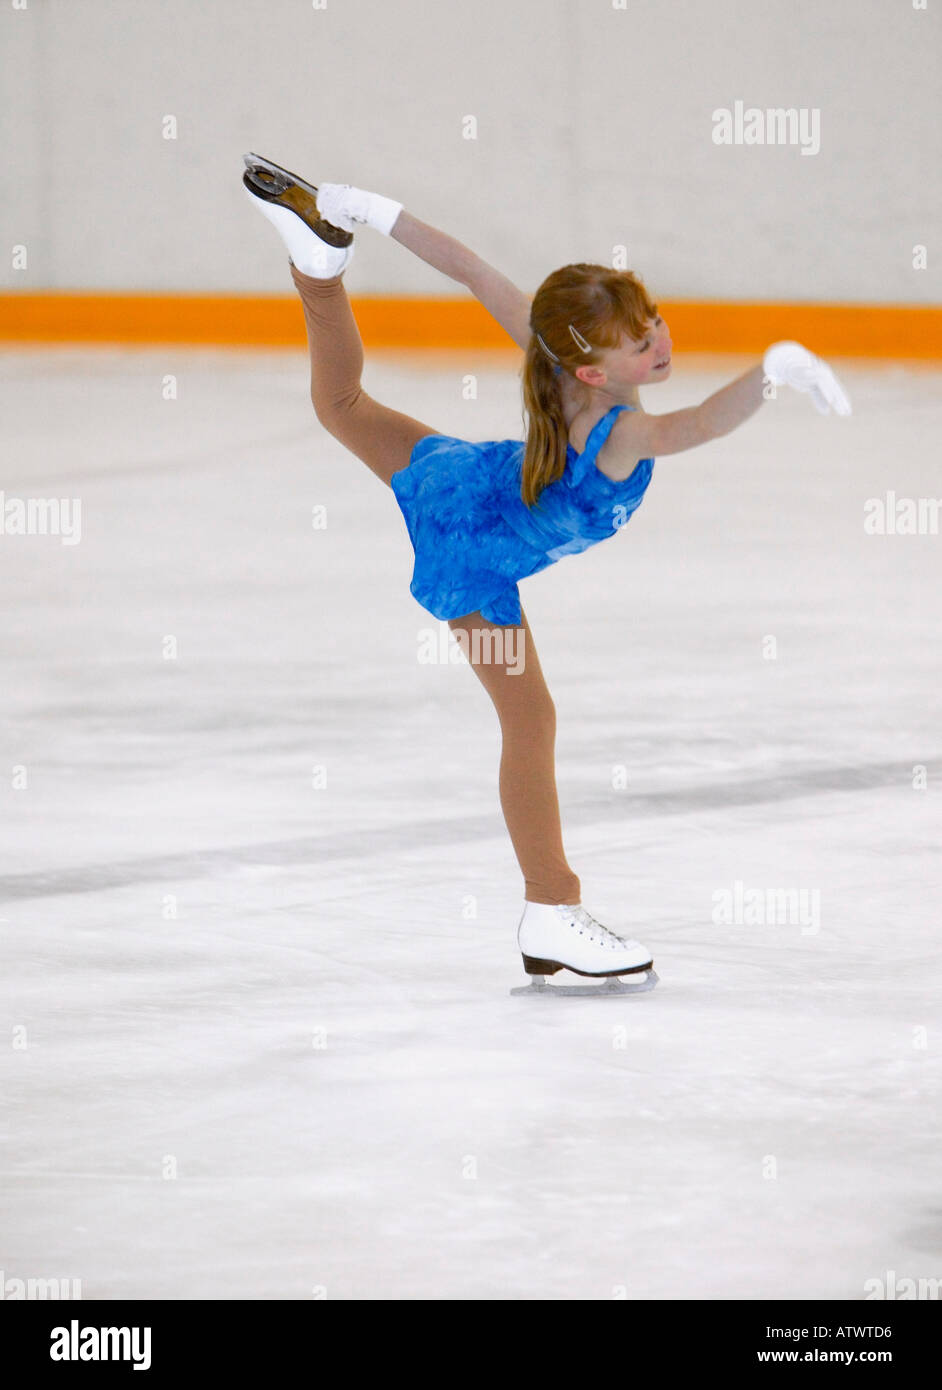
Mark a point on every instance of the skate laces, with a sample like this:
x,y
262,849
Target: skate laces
x,y
594,928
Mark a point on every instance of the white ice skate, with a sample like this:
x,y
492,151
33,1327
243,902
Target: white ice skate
x,y
555,937
316,246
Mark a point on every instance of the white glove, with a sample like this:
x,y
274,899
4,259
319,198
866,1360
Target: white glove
x,y
346,207
790,364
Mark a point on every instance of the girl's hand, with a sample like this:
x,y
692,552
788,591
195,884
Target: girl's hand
x,y
351,208
790,364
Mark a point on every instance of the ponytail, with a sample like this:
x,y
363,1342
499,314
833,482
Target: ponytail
x,y
544,459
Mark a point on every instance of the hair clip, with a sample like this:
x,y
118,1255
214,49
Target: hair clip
x,y
579,341
547,350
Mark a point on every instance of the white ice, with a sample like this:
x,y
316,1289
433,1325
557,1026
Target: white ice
x,y
260,1041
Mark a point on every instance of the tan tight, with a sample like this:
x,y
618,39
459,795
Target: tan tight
x,y
384,440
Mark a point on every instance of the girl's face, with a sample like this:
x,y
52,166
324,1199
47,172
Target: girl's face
x,y
652,356
635,362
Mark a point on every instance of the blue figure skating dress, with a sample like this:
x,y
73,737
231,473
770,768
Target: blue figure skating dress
x,y
473,535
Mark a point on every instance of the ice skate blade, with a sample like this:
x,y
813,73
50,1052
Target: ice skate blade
x,y
277,185
274,178
608,987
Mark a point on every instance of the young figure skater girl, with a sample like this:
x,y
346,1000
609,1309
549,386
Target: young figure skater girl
x,y
482,516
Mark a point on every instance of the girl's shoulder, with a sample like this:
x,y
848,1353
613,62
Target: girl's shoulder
x,y
583,432
594,460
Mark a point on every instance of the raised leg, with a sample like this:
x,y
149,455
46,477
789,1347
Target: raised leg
x,y
381,437
528,794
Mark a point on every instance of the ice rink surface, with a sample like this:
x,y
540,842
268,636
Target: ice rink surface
x,y
259,905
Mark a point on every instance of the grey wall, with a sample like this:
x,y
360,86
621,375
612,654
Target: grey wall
x,y
594,129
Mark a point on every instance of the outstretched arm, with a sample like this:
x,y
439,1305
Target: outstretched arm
x,y
508,305
638,435
657,435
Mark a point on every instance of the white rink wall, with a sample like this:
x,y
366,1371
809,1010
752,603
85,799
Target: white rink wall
x,y
540,131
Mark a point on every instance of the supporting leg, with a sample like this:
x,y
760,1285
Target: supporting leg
x,y
528,794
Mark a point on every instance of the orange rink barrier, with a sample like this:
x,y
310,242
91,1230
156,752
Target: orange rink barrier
x,y
858,330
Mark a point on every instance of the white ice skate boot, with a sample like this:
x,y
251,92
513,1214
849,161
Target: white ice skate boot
x,y
555,937
316,247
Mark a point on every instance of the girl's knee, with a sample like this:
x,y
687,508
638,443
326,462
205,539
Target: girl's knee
x,y
542,711
534,711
